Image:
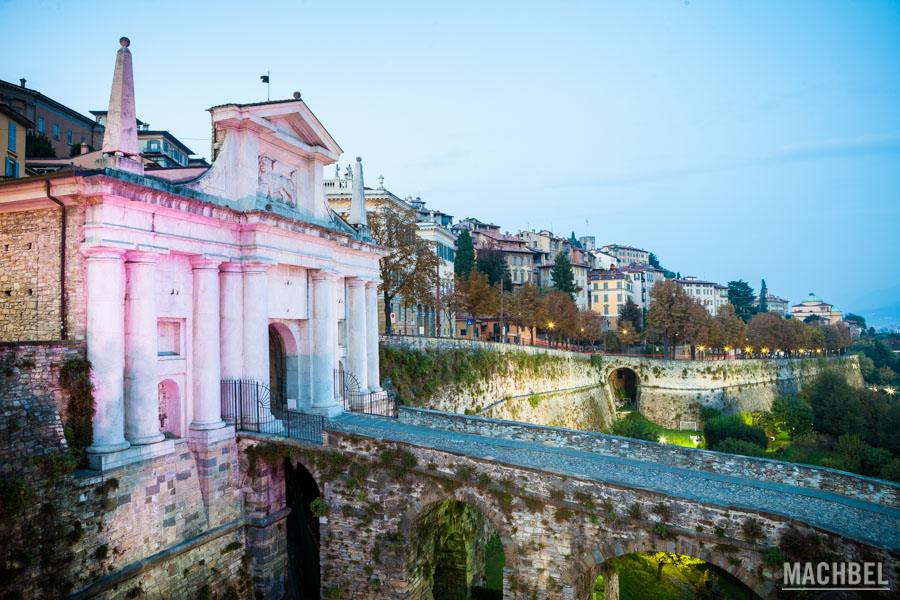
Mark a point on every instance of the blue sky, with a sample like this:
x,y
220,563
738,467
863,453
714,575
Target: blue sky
x,y
734,139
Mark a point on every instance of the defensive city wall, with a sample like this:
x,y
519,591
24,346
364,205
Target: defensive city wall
x,y
579,391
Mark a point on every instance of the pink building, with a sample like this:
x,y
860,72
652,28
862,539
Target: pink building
x,y
176,281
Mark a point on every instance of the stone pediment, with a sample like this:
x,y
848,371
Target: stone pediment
x,y
270,156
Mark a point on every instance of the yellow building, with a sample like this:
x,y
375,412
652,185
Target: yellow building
x,y
609,291
12,142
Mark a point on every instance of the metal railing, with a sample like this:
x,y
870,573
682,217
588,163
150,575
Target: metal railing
x,y
246,405
355,399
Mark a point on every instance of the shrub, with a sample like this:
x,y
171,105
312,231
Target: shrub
x,y
318,507
732,426
873,460
891,471
793,415
636,425
774,557
836,406
849,449
708,412
743,447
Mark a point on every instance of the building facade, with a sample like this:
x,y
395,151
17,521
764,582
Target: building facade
x,y
775,304
12,142
61,125
610,290
709,294
241,274
813,307
627,255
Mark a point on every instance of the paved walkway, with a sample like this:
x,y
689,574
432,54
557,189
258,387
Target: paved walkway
x,y
871,523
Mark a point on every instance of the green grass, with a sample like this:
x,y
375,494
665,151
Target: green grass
x,y
680,437
637,580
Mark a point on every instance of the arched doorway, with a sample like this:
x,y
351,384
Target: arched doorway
x,y
458,554
666,575
277,370
169,407
625,388
301,494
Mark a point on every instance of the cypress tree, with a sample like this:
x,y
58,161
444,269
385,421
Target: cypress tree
x,y
464,261
563,278
763,297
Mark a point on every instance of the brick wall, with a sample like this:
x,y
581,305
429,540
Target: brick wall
x,y
30,275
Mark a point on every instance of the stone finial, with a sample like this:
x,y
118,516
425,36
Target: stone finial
x,y
381,182
297,96
358,199
120,139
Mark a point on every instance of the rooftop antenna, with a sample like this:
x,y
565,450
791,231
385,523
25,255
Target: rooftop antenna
x,y
265,80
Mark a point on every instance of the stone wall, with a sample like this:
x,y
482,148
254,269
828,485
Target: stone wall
x,y
142,527
30,274
523,383
820,478
556,531
672,392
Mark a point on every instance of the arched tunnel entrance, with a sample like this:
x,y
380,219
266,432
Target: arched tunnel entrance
x,y
458,554
666,575
625,386
301,492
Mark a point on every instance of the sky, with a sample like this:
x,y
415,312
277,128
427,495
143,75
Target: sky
x,y
734,139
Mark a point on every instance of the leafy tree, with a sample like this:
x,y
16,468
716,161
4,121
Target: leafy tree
x,y
857,319
741,296
812,319
763,297
836,406
654,261
734,330
410,270
632,313
836,337
732,426
526,308
492,263
670,558
628,333
574,241
38,145
592,326
793,414
473,295
561,311
464,261
669,314
563,278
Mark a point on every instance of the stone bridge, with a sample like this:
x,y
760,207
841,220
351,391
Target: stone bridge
x,y
561,502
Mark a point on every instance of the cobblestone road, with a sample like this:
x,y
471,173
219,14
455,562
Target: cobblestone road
x,y
872,523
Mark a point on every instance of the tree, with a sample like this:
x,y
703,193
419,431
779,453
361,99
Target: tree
x,y
563,278
492,263
632,313
410,270
574,241
669,313
464,261
733,328
741,296
654,261
473,295
836,406
836,337
526,308
37,145
793,414
767,330
857,319
670,558
591,326
763,297
562,315
75,149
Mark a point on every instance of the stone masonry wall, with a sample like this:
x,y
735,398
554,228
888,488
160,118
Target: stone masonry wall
x,y
556,531
822,478
30,274
144,525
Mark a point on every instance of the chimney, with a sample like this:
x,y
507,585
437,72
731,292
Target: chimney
x,y
120,140
84,148
22,82
358,199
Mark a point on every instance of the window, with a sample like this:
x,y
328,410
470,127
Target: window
x,y
606,297
154,146
40,124
605,285
606,309
12,136
12,167
56,132
69,137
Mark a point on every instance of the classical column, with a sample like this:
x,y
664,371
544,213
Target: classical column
x,y
106,346
141,335
356,331
256,322
324,358
207,371
231,295
374,376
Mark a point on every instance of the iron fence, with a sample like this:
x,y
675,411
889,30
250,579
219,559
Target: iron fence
x,y
246,405
355,399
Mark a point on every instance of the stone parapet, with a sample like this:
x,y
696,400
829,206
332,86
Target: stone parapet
x,y
818,478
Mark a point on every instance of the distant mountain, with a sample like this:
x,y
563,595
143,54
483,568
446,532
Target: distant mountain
x,y
885,316
881,308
